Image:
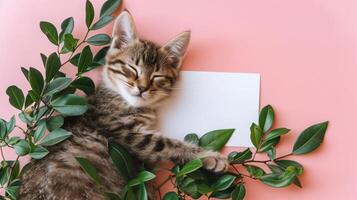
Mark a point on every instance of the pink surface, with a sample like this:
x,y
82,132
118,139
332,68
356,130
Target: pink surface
x,y
305,51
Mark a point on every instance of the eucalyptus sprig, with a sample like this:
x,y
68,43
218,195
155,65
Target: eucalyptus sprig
x,y
52,95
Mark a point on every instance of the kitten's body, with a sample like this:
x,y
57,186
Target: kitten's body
x,y
115,112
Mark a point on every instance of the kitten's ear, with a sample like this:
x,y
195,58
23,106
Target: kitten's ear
x,y
124,31
177,46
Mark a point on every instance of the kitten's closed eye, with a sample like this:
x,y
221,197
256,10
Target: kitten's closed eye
x,y
125,69
160,81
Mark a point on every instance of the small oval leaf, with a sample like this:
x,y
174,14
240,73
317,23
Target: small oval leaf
x,y
266,118
55,137
215,140
16,96
310,139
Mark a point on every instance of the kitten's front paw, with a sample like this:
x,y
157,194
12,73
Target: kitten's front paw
x,y
215,162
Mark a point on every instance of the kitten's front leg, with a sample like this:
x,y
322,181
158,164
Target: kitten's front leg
x,y
155,147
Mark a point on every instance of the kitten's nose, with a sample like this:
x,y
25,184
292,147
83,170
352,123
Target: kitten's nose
x,y
142,89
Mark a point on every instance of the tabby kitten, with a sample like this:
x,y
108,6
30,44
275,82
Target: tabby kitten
x,y
137,77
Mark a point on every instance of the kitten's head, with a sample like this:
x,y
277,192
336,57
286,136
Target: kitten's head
x,y
142,72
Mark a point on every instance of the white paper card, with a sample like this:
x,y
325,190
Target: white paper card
x,y
205,101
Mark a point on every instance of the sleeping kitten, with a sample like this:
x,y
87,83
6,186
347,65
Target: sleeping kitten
x,y
137,77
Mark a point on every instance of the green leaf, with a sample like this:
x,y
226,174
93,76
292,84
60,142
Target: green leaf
x,y
268,144
89,169
266,118
239,157
25,72
109,7
50,31
74,60
99,39
3,129
203,188
85,84
10,125
15,171
22,147
102,22
130,195
256,135
36,80
276,133
85,59
171,196
53,64
40,131
271,153
191,166
70,105
55,137
57,85
286,163
34,96
44,59
215,140
122,160
224,182
89,13
190,187
70,43
28,101
12,191
192,138
142,177
238,192
67,27
25,118
39,152
255,171
112,196
277,181
54,122
142,193
16,97
12,140
4,173
310,139
225,194
100,56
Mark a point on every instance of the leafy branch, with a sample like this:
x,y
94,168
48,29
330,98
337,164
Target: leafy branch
x,y
193,181
52,95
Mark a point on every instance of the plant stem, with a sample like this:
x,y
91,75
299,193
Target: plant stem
x,y
266,161
2,154
74,50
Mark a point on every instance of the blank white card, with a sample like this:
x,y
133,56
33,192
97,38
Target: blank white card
x,y
206,101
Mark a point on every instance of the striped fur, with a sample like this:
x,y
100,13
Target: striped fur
x,y
113,114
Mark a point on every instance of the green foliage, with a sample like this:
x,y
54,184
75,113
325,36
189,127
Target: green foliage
x,y
89,169
189,167
16,96
52,96
215,140
50,31
310,138
42,111
70,105
55,136
99,40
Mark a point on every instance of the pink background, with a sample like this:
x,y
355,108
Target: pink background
x,y
305,51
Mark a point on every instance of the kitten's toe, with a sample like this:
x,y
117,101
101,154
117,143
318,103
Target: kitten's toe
x,y
216,163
